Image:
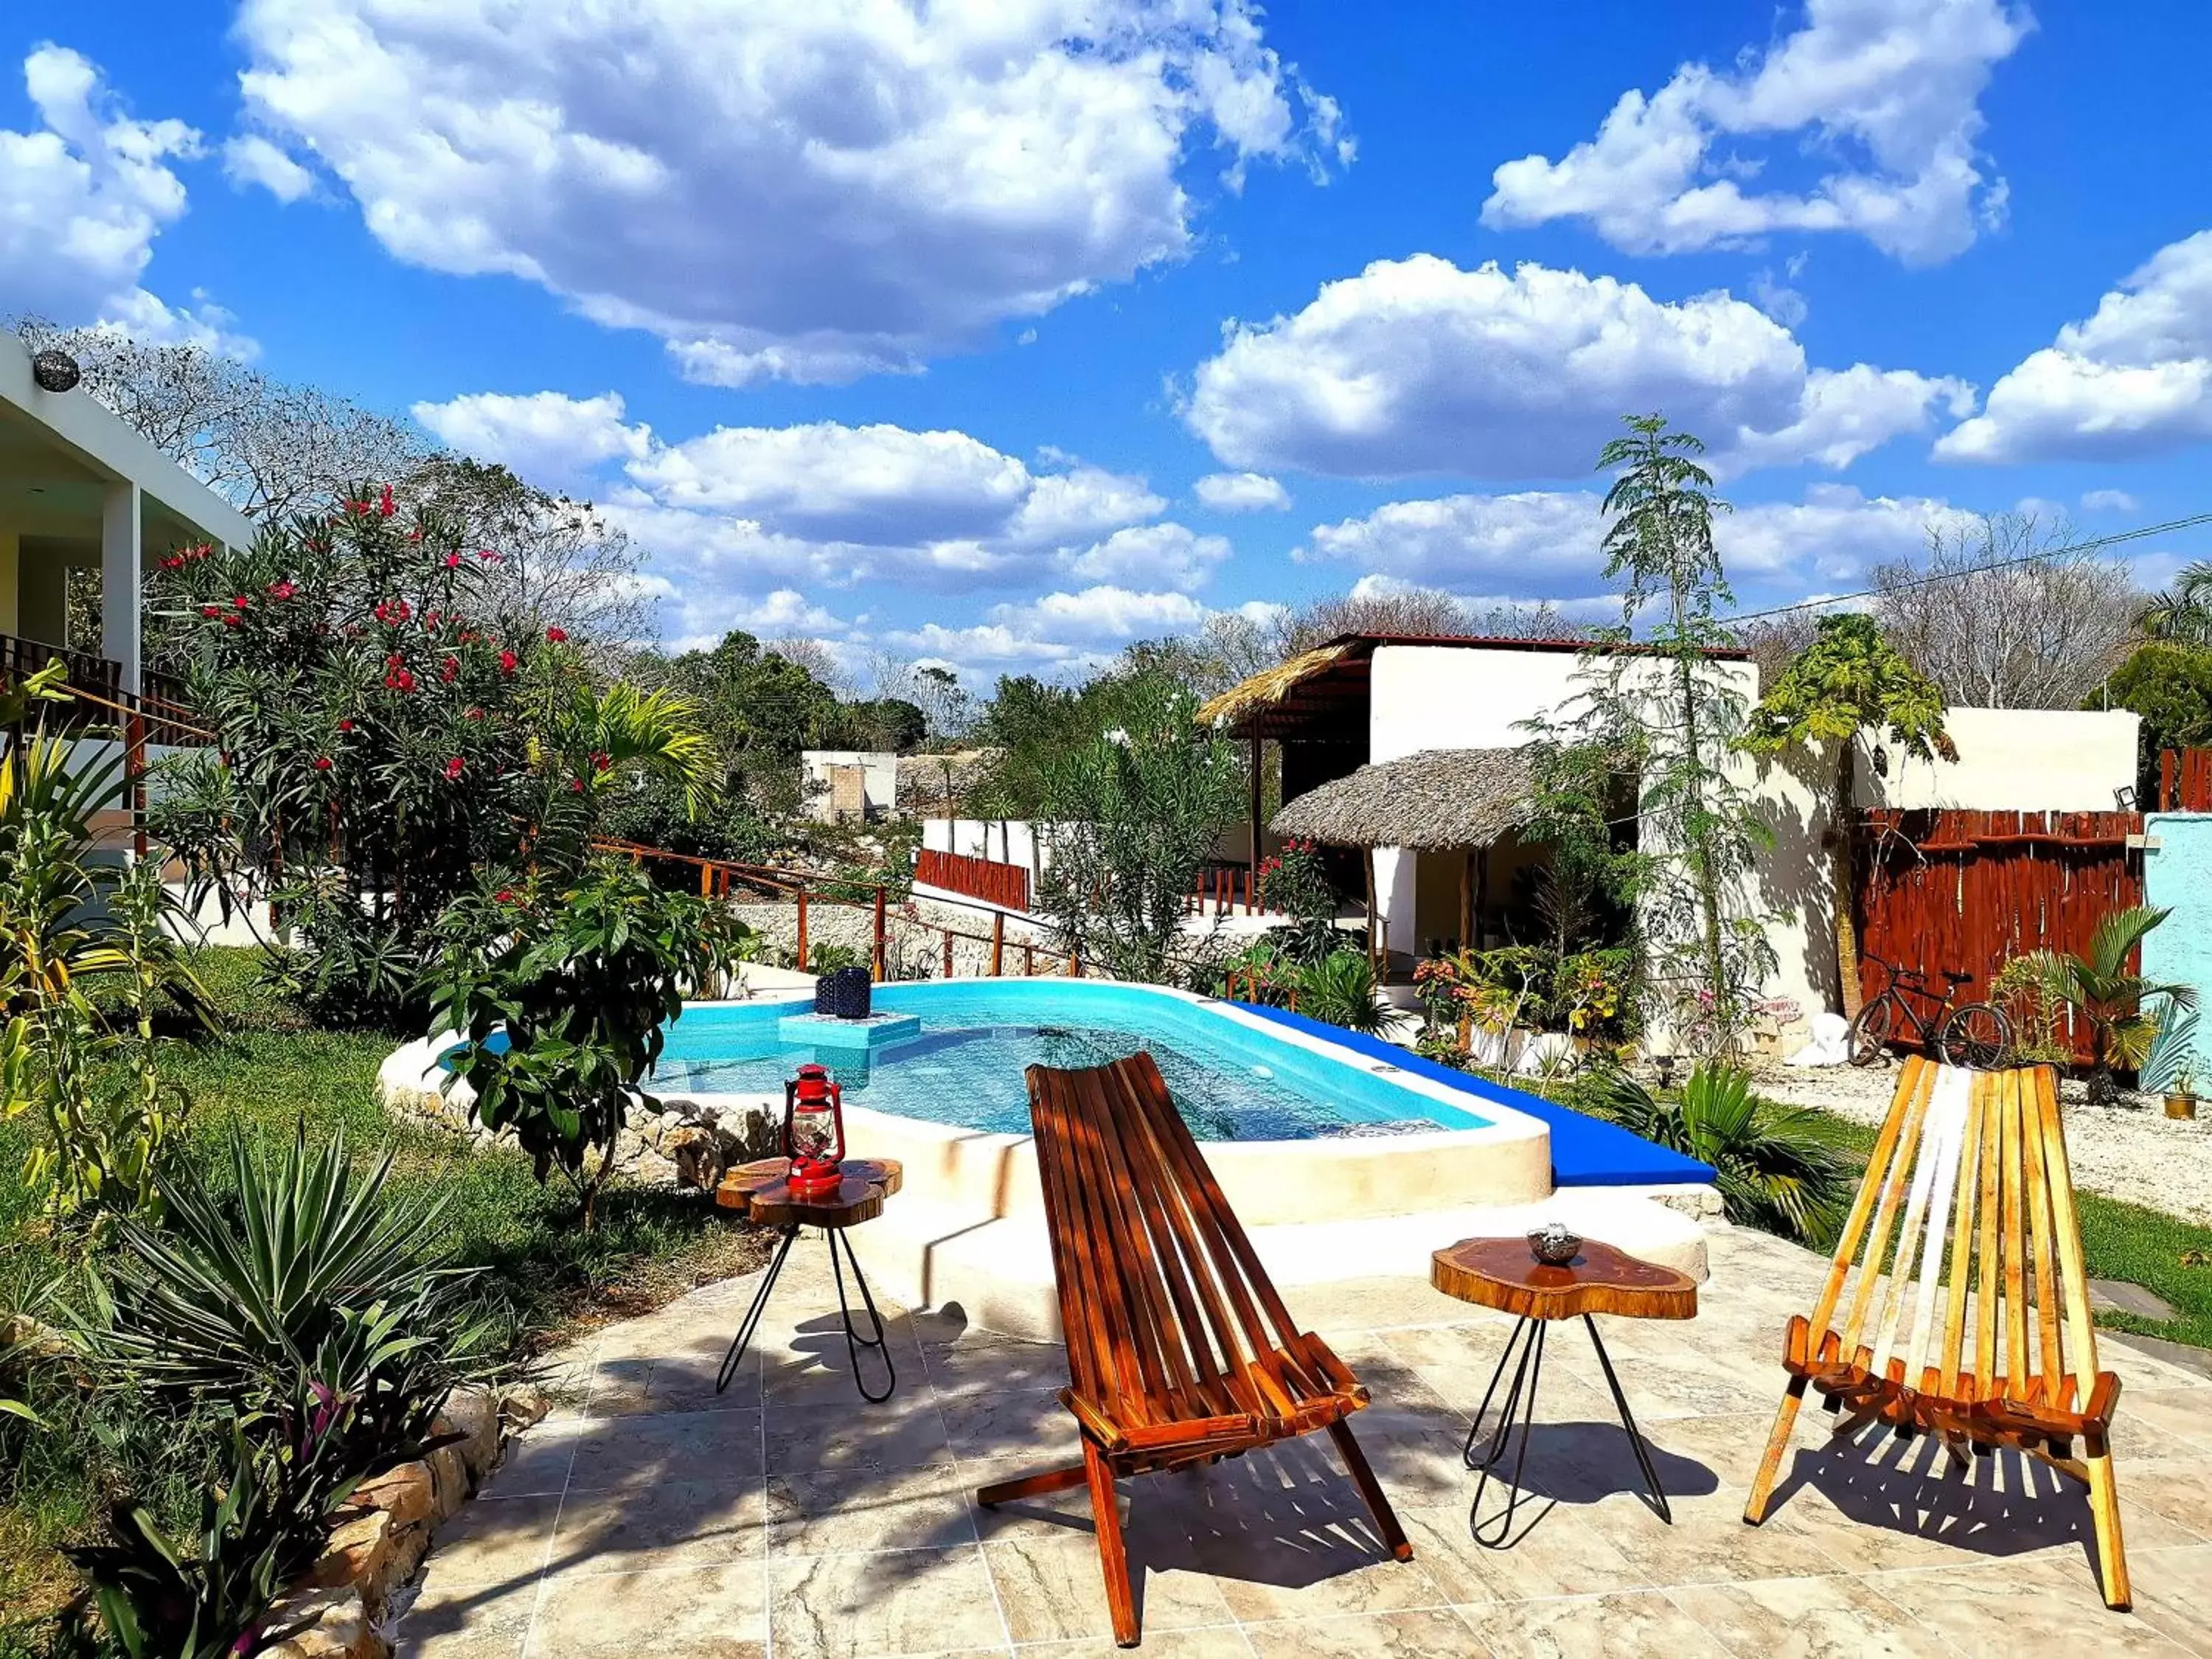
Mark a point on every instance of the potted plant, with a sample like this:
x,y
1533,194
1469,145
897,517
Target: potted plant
x,y
2181,1093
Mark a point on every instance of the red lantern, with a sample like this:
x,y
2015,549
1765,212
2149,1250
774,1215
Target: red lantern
x,y
813,1132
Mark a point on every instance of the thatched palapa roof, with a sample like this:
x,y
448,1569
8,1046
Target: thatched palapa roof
x,y
1270,686
1439,800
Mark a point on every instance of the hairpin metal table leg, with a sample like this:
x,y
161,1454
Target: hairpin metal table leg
x,y
1496,1533
1636,1441
745,1336
854,1340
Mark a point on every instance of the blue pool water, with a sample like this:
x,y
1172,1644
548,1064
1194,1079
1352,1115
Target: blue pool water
x,y
1232,1081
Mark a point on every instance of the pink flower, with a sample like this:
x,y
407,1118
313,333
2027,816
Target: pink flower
x,y
322,763
488,557
505,896
453,562
447,669
601,761
346,725
211,610
476,713
282,590
453,768
507,662
386,507
239,602
557,635
575,785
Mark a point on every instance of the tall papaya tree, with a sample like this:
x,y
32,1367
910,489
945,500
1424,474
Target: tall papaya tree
x,y
1850,680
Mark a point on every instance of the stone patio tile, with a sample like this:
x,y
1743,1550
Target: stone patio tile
x,y
1729,1447
1424,1633
905,1432
1558,1556
2179,1489
536,1461
668,1524
1634,1625
1031,1421
2173,1594
703,1613
1660,1389
1809,1619
450,1619
2035,1609
905,1602
697,1446
1222,1641
2161,1422
812,1363
493,1541
1708,1543
1053,1589
813,1512
619,1386
976,1367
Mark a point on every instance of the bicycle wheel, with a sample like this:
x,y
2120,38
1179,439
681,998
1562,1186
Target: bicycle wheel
x,y
1975,1034
1868,1041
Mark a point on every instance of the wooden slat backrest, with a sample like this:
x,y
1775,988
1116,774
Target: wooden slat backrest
x,y
1960,1269
1167,1312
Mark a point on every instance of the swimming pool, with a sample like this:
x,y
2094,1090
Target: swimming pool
x,y
1233,1079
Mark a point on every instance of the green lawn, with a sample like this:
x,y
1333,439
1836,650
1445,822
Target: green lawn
x,y
545,1276
2121,1241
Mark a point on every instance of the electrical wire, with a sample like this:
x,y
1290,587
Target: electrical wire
x,y
2091,546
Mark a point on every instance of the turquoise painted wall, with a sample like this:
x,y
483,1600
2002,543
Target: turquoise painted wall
x,y
2178,876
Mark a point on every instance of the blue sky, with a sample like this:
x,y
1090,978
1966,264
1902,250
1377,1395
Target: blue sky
x,y
918,330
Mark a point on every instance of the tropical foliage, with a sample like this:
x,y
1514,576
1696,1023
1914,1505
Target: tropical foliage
x,y
2170,685
2184,611
560,987
1134,813
1774,1168
2114,999
1850,680
1340,989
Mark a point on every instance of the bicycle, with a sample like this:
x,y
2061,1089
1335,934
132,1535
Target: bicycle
x,y
1975,1033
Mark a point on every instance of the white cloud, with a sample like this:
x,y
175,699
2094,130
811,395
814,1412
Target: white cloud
x,y
546,436
249,160
1416,366
82,197
809,192
1883,93
1242,492
1159,554
1544,544
2108,501
2134,379
1072,632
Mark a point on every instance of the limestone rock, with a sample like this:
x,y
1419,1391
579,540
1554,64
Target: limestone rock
x,y
473,1413
698,1153
449,1482
331,1622
356,1554
523,1408
403,1493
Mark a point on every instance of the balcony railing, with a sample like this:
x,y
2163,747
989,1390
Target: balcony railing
x,y
99,699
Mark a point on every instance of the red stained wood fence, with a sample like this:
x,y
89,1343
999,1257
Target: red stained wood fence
x,y
2184,780
1966,892
1003,884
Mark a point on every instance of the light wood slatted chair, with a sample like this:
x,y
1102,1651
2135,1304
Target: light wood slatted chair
x,y
1179,1350
1970,1200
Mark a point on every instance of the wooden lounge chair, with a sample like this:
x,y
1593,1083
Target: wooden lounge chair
x,y
1968,1182
1179,1351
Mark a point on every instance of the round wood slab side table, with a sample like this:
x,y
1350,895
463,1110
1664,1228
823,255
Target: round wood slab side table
x,y
758,1191
1502,1274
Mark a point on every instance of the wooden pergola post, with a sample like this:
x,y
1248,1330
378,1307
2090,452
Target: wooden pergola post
x,y
1467,901
1367,857
1252,864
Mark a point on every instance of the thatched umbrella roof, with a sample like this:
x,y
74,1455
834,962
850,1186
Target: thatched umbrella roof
x,y
1439,800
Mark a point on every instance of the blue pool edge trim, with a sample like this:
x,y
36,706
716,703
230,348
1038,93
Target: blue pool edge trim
x,y
1586,1152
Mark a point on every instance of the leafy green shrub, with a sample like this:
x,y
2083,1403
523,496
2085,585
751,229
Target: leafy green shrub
x,y
823,958
1340,989
561,991
1774,1170
2108,996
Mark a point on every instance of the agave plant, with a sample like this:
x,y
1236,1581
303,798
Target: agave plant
x,y
1340,989
1773,1170
2103,990
308,1283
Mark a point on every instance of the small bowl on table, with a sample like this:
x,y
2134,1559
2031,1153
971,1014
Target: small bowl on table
x,y
1554,1245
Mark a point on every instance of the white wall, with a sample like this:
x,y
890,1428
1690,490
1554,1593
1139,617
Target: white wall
x,y
1002,840
1449,698
2027,760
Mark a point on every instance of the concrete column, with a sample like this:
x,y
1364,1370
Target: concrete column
x,y
1393,896
120,543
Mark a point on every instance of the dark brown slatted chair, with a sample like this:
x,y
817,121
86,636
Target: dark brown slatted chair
x,y
1179,1351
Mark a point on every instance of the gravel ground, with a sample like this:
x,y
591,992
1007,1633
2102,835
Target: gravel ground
x,y
2131,1150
